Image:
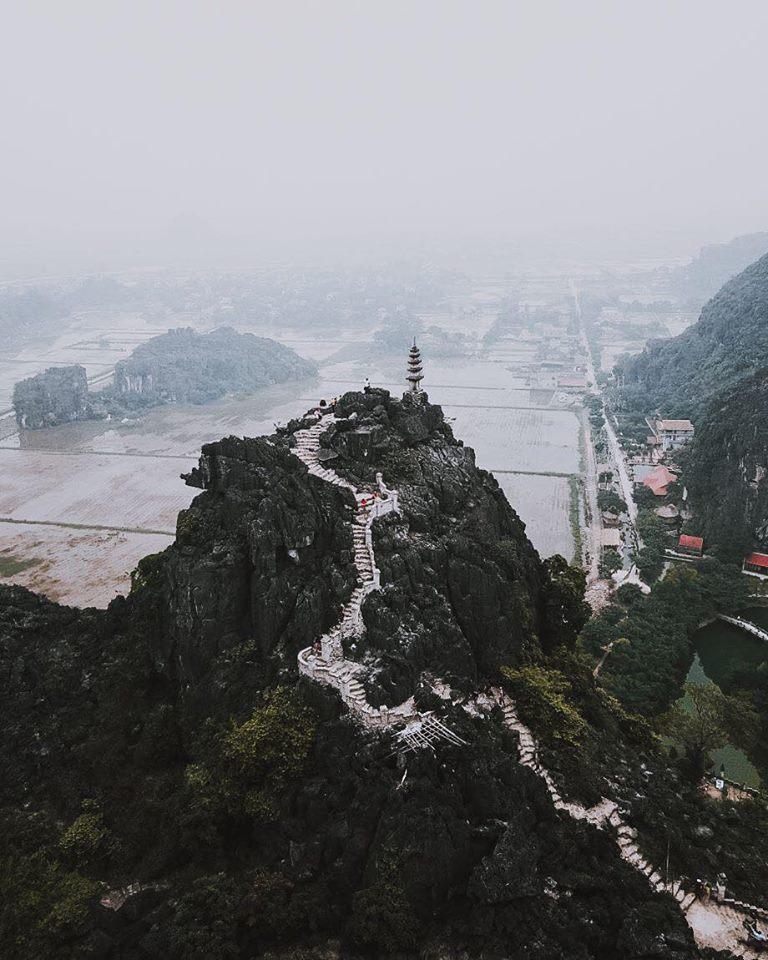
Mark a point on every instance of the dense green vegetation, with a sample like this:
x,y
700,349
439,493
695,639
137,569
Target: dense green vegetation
x,y
715,373
189,367
545,699
645,673
610,501
704,719
649,559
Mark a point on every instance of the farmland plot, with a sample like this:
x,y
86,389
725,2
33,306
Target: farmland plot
x,y
542,504
76,567
541,440
93,490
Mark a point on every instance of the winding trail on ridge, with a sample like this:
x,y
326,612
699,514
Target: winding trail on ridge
x,y
324,661
714,924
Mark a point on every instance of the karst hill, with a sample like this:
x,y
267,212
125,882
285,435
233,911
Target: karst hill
x,y
174,784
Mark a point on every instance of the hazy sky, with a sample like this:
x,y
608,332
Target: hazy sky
x,y
369,120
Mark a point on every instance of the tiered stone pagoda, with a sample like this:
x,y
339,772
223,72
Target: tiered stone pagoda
x,y
415,369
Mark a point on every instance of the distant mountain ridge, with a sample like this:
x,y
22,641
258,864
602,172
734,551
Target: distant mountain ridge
x,y
728,343
716,263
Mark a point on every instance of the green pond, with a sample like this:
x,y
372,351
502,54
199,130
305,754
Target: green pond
x,y
721,650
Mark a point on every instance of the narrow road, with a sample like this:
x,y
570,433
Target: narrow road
x,y
595,528
614,447
617,455
590,483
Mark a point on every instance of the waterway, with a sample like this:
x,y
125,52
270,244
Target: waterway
x,y
720,652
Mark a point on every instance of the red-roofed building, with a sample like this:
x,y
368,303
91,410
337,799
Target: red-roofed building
x,y
690,545
756,563
659,479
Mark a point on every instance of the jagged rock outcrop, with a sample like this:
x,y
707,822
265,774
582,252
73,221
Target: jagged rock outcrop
x,y
59,395
264,554
465,590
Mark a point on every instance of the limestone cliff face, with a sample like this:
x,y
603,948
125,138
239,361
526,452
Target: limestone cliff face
x,y
727,468
60,395
263,556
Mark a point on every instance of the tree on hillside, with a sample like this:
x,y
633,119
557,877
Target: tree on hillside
x,y
706,719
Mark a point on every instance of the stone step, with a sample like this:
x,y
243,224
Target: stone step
x,y
686,902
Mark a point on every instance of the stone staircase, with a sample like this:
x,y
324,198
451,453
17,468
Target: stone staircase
x,y
327,664
603,815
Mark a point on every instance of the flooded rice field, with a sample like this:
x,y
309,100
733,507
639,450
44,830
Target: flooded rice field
x,y
128,492
544,441
542,503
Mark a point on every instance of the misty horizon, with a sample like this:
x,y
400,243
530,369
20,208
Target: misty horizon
x,y
138,136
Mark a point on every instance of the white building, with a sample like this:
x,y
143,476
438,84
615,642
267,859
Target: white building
x,y
671,434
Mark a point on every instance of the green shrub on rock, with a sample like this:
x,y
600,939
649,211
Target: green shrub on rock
x,y
543,698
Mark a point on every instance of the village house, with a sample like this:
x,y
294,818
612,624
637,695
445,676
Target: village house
x,y
659,479
756,564
693,546
573,383
670,434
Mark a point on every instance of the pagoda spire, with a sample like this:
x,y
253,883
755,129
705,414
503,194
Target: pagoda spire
x,y
415,369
